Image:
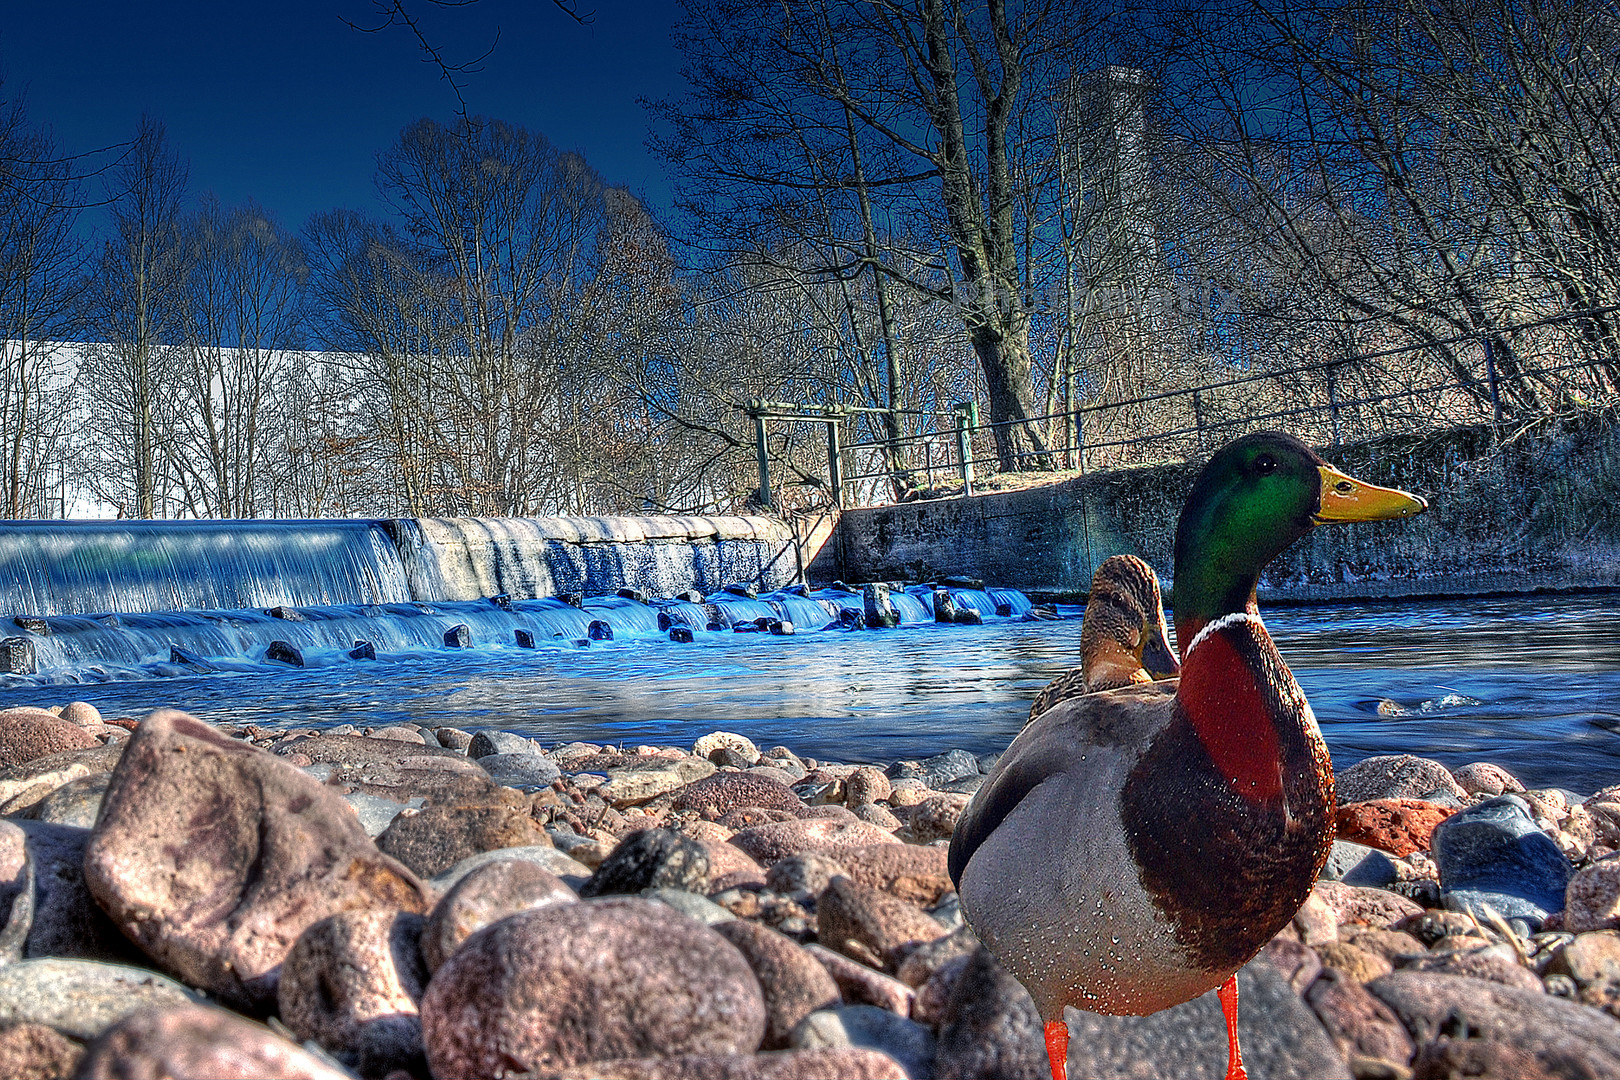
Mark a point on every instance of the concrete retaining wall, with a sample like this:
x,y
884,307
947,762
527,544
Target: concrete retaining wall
x,y
1539,512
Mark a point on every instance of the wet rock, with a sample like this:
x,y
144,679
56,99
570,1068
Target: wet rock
x,y
1592,897
1560,1037
24,786
63,919
1398,776
649,859
399,733
867,1028
36,1052
935,818
1294,961
29,734
75,803
1490,963
1493,855
908,872
863,985
631,785
81,998
453,738
521,770
937,770
435,838
1280,1034
715,796
214,856
352,983
871,926
1398,826
1353,962
793,982
487,741
198,1042
487,895
568,871
990,1026
771,843
1377,908
848,1064
1484,778
1357,1022
740,745
597,980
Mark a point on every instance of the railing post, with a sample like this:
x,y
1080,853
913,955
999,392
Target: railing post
x,y
835,464
965,415
764,462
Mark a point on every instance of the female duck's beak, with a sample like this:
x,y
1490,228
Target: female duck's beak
x,y
1344,498
1158,658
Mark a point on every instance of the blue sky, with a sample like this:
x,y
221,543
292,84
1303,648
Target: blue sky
x,y
281,102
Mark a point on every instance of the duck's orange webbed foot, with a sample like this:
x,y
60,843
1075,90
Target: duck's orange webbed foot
x,y
1057,1048
1228,994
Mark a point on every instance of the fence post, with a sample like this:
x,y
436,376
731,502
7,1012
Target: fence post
x,y
1490,373
965,411
835,464
764,462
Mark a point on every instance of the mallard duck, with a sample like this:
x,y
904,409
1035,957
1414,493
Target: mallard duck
x,y
1133,848
1122,640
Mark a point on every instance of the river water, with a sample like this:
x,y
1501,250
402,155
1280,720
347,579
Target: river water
x,y
1532,683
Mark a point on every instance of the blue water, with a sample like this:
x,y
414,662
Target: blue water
x,y
1532,683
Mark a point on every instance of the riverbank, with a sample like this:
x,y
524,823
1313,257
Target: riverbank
x,y
394,898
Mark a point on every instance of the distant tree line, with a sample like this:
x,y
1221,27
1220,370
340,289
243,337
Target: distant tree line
x,y
897,204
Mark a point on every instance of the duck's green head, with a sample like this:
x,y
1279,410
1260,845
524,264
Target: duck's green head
x,y
1256,496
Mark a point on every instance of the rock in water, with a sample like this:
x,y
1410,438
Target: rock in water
x,y
214,856
596,980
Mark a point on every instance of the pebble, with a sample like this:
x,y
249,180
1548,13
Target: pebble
x,y
486,895
727,740
199,1042
569,872
989,1025
935,818
29,734
1592,897
82,998
435,838
847,1064
871,926
1493,856
1484,778
596,980
867,1027
1398,826
649,859
861,984
528,770
1358,1023
794,984
31,1051
770,843
715,796
1398,776
488,741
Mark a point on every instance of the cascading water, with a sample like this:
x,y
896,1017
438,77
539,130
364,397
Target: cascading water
x,y
104,601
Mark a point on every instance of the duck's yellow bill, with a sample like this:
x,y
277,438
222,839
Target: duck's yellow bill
x,y
1344,498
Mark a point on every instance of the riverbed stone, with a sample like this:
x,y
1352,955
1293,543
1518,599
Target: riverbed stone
x,y
1592,897
597,980
64,918
861,984
828,836
793,982
198,1042
871,926
36,1052
82,713
568,871
76,802
1398,776
847,1064
1358,1023
400,733
910,872
935,818
651,858
1493,855
29,734
1560,1037
487,895
642,781
487,741
1488,963
435,838
352,983
864,786
24,786
1280,1035
741,745
1353,904
214,856
990,1026
936,771
1486,778
715,796
377,813
394,770
1356,963
521,770
82,998
1398,826
869,1028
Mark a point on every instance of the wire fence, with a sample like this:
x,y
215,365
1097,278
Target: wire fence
x,y
1512,375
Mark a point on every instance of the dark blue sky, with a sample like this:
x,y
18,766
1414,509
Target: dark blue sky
x,y
280,101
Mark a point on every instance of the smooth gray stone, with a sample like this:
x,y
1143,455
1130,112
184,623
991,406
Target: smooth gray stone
x,y
521,770
487,741
1280,1035
1492,854
76,802
573,874
375,812
66,921
1358,864
82,998
869,1028
690,904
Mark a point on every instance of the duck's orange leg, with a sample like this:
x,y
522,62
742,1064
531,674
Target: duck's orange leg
x,y
1057,1048
1228,994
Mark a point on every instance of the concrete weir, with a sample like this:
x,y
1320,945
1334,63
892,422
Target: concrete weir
x,y
1540,511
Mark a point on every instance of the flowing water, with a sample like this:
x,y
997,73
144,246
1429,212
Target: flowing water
x,y
1532,683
